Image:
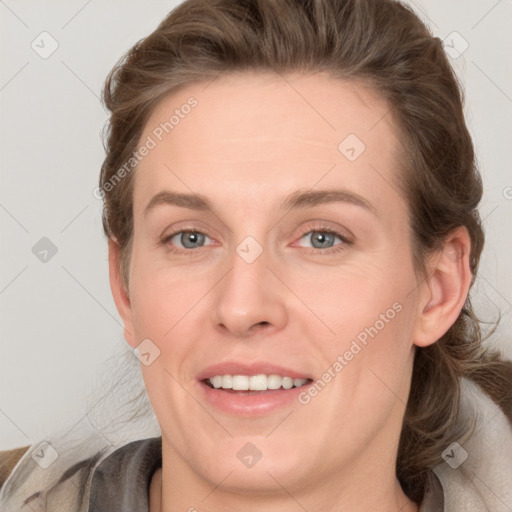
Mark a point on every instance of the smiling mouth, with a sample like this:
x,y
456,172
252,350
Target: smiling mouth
x,y
253,385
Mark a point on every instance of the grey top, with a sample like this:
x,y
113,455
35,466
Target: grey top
x,y
121,481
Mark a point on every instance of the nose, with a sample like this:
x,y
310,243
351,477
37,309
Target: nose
x,y
249,299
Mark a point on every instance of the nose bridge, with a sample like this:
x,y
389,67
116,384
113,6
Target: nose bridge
x,y
249,295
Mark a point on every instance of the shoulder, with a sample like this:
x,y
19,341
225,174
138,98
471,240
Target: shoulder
x,y
475,474
69,474
52,475
8,460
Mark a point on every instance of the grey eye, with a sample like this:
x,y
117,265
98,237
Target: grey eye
x,y
321,239
190,239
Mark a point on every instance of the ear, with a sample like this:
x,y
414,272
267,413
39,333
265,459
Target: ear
x,y
119,292
444,291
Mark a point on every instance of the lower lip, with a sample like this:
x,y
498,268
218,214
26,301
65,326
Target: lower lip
x,y
243,403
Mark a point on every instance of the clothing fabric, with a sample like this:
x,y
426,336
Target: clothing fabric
x,y
476,475
121,482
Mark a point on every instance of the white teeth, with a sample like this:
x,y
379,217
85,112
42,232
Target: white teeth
x,y
240,382
274,381
227,382
287,383
216,382
255,382
258,382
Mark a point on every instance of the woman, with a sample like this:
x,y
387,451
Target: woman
x,y
291,201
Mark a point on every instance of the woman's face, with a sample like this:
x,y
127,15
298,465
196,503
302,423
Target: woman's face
x,y
297,263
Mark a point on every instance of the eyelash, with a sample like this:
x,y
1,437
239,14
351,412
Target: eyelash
x,y
311,250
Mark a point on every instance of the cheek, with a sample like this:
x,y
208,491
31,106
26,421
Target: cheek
x,y
371,313
366,368
162,298
369,296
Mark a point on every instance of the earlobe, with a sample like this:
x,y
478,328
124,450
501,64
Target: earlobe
x,y
445,289
119,293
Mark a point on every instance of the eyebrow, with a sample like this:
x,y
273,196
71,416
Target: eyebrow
x,y
300,199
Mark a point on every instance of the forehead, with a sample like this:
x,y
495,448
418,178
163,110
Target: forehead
x,y
269,132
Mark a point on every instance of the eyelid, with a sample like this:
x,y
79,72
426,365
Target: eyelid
x,y
194,226
324,230
322,225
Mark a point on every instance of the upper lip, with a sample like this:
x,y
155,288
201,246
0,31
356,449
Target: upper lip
x,y
252,368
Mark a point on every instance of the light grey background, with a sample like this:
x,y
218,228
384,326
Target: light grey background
x,y
58,320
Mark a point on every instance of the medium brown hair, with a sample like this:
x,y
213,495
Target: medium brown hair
x,y
385,45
